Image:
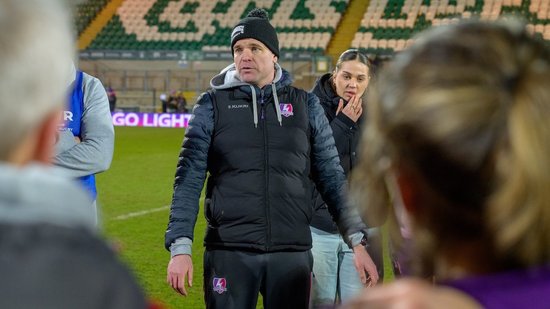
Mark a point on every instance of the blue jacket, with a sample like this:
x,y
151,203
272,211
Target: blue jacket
x,y
73,124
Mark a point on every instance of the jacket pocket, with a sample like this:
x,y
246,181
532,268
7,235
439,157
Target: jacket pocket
x,y
211,213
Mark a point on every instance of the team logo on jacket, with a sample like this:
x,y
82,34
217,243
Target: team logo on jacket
x,y
286,109
219,285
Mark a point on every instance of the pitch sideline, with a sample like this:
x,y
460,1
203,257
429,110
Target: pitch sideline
x,y
140,213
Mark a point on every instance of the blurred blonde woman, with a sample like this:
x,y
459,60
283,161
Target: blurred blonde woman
x,y
459,139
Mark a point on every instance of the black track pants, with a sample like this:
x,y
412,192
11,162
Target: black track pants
x,y
232,279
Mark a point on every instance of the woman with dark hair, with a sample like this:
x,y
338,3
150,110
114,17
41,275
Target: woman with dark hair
x,y
341,95
458,137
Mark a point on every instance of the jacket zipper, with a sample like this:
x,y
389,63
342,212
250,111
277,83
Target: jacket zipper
x,y
262,109
266,173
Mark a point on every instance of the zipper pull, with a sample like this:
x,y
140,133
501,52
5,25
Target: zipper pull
x,y
262,104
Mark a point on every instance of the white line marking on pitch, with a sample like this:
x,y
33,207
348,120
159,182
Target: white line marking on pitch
x,y
140,213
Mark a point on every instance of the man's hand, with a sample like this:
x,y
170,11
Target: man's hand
x,y
365,266
180,267
411,293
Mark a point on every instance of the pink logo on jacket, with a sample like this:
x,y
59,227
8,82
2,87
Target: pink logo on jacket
x,y
219,285
286,109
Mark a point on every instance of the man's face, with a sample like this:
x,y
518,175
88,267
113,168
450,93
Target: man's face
x,y
254,61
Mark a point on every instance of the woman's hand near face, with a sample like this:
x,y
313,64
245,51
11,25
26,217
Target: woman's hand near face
x,y
353,109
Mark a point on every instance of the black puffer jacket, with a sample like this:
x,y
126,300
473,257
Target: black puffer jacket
x,y
346,135
259,157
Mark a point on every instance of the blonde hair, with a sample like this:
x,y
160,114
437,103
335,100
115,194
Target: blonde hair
x,y
36,53
466,111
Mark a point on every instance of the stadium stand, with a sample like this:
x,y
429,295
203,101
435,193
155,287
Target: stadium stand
x,y
98,22
388,26
311,28
86,12
206,26
304,25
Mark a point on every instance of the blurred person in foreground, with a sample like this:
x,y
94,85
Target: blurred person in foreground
x,y
50,253
341,95
258,137
459,137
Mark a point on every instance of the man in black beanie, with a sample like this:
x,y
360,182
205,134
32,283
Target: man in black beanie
x,y
259,139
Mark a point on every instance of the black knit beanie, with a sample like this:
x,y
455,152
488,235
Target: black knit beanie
x,y
256,26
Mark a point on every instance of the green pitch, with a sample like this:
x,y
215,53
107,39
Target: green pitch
x,y
134,195
139,183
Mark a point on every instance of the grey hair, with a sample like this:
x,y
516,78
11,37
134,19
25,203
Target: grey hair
x,y
36,54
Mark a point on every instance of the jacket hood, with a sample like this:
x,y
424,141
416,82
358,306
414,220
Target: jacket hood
x,y
228,78
41,194
324,91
